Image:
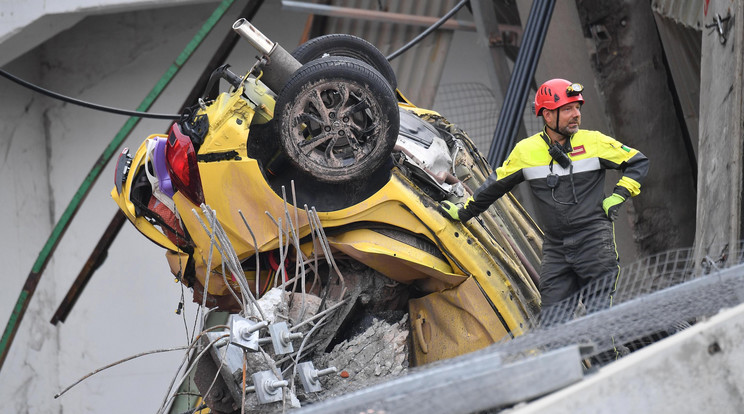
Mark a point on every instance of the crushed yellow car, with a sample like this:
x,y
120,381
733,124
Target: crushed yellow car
x,y
329,137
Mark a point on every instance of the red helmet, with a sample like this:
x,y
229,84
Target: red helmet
x,y
556,93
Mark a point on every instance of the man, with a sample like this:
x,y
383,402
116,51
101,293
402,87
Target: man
x,y
565,168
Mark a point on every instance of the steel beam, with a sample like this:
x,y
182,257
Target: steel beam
x,y
376,16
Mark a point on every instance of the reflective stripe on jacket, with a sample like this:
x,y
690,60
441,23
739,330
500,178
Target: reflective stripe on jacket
x,y
591,153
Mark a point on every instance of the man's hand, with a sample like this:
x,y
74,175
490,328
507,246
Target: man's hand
x,y
453,211
449,210
612,204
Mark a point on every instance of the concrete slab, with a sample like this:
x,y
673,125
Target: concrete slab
x,y
697,370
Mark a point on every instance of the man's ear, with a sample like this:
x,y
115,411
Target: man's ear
x,y
548,116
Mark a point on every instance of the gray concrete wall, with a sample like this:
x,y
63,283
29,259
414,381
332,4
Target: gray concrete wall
x,y
26,222
46,150
25,24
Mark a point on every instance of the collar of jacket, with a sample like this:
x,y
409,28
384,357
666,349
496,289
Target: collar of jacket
x,y
567,147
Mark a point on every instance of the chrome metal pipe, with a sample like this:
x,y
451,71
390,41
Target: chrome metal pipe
x,y
257,39
279,64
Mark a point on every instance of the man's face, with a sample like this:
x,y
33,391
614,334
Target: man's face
x,y
569,119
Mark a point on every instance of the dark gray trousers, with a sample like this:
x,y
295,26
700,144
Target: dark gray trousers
x,y
584,259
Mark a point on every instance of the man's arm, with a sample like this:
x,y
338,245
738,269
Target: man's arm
x,y
496,185
634,171
491,190
630,161
634,166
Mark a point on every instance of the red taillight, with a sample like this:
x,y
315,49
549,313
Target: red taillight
x,y
182,165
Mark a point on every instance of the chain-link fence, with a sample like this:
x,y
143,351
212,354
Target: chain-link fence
x,y
649,300
475,109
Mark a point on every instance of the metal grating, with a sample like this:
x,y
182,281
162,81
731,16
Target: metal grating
x,y
652,299
474,108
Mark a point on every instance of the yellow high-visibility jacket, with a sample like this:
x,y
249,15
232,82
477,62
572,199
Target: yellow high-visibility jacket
x,y
576,200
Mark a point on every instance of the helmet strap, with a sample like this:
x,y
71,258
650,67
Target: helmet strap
x,y
557,119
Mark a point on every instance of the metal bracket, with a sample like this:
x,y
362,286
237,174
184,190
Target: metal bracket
x,y
244,332
504,38
495,40
309,376
268,387
281,338
718,24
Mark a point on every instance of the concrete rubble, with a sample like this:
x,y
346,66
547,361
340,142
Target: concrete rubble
x,y
366,342
379,353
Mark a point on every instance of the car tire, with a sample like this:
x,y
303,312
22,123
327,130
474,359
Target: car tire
x,y
338,119
347,46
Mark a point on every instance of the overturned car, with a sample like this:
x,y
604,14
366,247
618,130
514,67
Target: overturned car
x,y
314,176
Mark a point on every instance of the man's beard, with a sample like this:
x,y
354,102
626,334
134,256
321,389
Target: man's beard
x,y
568,132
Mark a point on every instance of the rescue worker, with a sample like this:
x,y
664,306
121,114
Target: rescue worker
x,y
565,168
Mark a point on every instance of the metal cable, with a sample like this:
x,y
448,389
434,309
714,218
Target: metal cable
x,y
229,256
327,250
301,348
255,253
82,103
212,244
522,74
179,348
428,31
189,369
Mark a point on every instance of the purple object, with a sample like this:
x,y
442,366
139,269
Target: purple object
x,y
161,171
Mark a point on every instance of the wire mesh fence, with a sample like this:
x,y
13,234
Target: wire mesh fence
x,y
650,299
474,108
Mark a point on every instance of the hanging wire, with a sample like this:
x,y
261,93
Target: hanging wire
x,y
181,309
193,365
85,104
113,364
